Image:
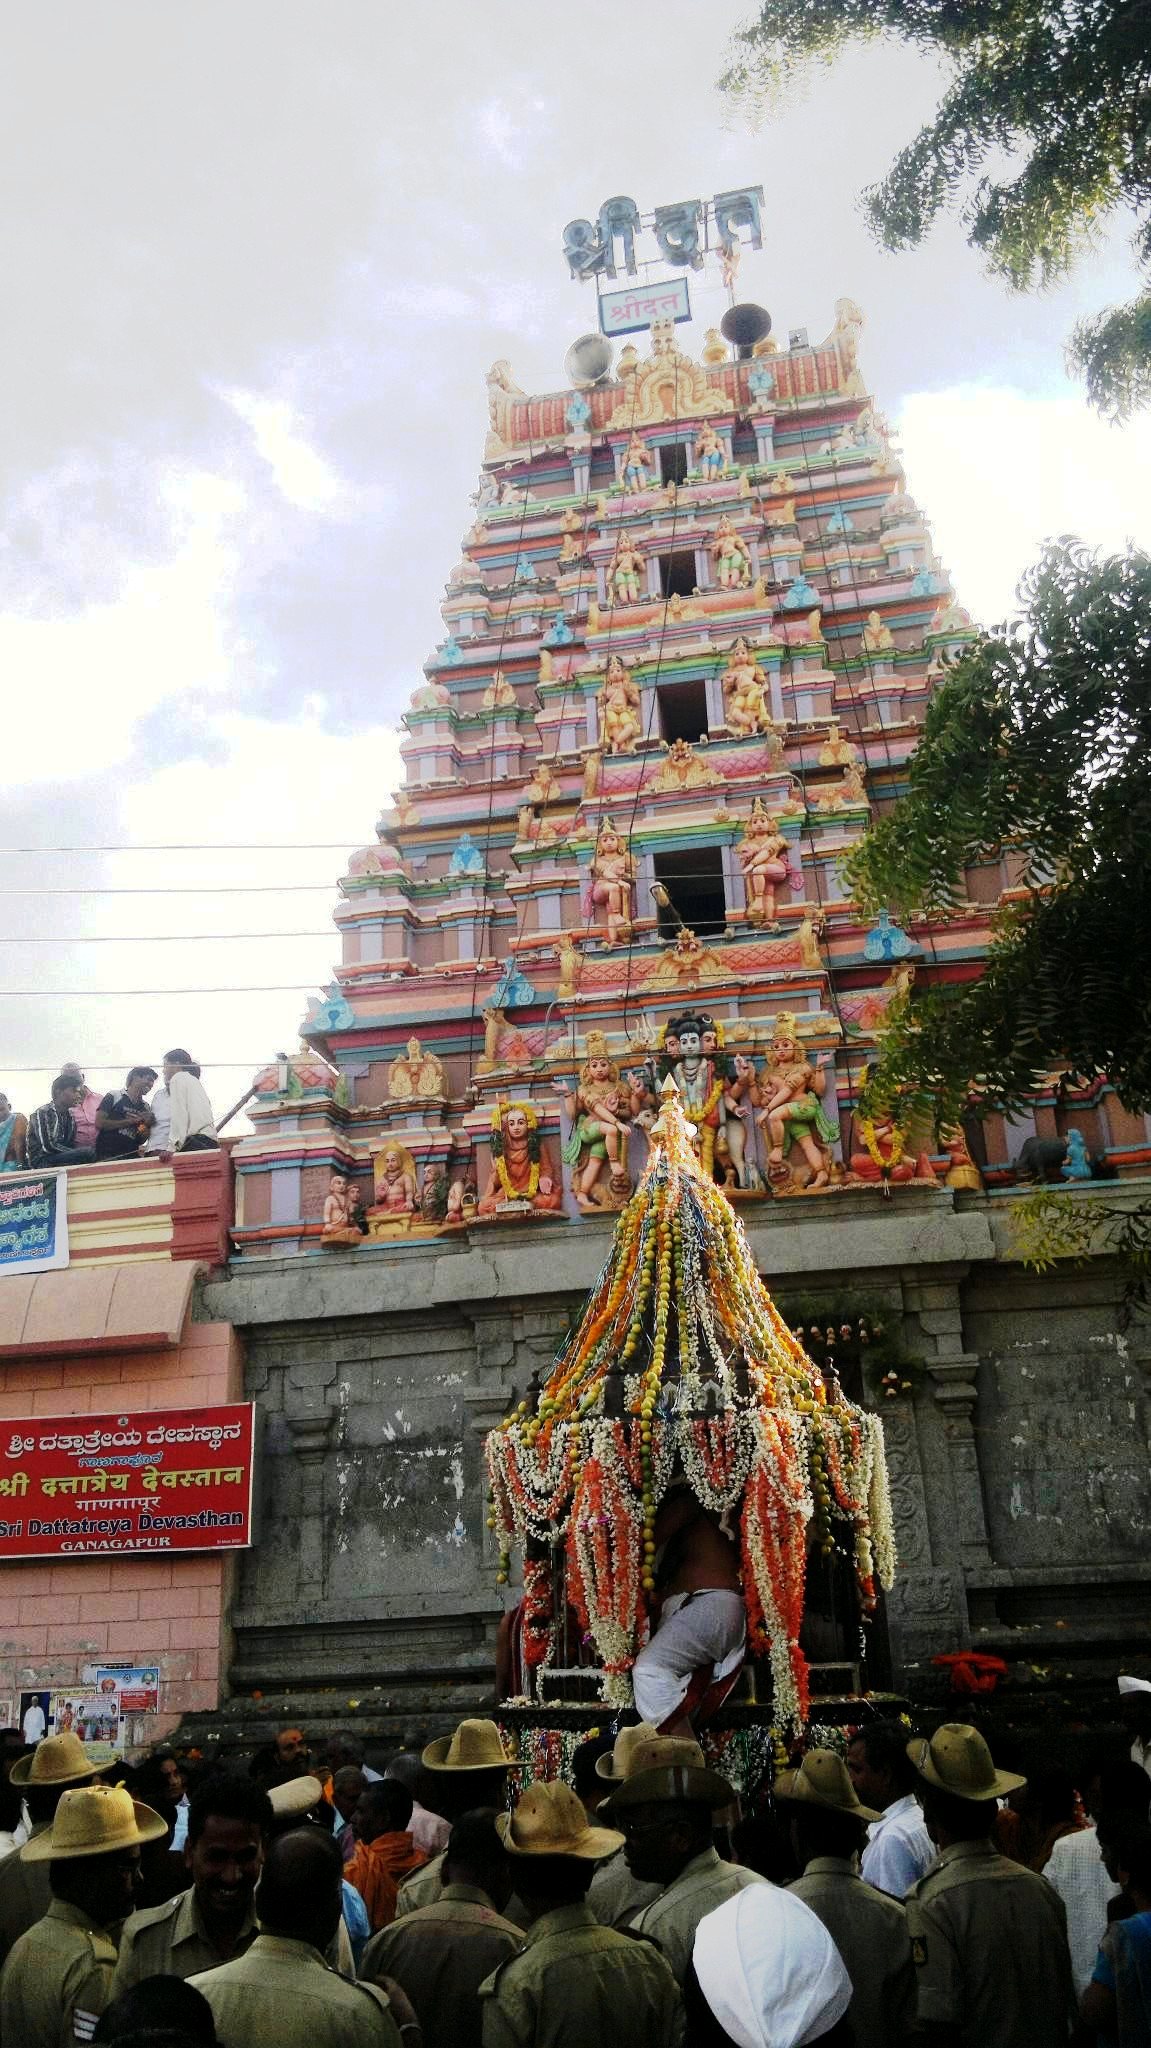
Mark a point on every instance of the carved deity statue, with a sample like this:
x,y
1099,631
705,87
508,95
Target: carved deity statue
x,y
681,769
499,695
626,573
573,542
395,1182
709,1089
731,555
340,1226
790,1092
619,719
845,795
710,454
744,693
763,858
415,1072
877,638
521,1172
613,880
601,1110
544,787
836,751
430,697
636,473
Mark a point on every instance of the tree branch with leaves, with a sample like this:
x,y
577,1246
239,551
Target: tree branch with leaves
x,y
1043,132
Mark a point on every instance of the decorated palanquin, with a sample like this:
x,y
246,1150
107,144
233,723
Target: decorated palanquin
x,y
687,650
681,1367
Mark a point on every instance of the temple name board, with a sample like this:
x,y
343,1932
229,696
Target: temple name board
x,y
632,311
33,1222
680,229
164,1479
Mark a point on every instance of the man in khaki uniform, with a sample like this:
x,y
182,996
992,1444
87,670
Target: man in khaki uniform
x,y
441,1954
988,1937
57,1979
573,1983
615,1896
471,1769
214,1921
281,1993
665,1807
55,1766
867,1926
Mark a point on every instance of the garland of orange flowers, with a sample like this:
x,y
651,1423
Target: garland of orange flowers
x,y
722,1391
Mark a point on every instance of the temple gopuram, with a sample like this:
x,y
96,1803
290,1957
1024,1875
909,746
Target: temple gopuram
x,y
686,654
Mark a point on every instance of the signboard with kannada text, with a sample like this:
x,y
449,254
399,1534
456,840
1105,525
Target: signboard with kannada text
x,y
33,1222
108,1485
630,311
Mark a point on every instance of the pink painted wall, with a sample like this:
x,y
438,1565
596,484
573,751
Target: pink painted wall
x,y
58,1616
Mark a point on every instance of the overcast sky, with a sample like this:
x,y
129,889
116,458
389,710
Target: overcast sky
x,y
257,260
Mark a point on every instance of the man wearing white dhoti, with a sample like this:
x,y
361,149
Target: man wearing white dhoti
x,y
701,1633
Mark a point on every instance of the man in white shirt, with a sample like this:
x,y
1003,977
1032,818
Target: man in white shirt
x,y
192,1128
35,1723
1135,1714
1118,1798
899,1849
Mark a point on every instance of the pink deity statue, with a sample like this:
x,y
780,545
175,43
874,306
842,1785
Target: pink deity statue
x,y
626,573
731,555
613,880
620,725
791,1091
396,1182
601,1110
521,1169
744,693
763,858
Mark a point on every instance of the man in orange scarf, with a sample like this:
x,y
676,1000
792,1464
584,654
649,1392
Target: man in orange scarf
x,y
385,1852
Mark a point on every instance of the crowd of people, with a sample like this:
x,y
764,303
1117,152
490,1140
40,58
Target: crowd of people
x,y
79,1125
909,1890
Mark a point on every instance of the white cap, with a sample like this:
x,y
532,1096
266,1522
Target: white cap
x,y
1127,1684
769,1969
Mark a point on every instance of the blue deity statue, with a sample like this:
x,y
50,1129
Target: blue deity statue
x,y
886,941
525,570
925,584
761,381
451,652
560,634
841,522
1076,1166
799,596
336,1014
467,858
577,414
513,989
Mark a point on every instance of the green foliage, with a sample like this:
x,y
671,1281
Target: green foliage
x,y
1041,133
1037,747
1052,1224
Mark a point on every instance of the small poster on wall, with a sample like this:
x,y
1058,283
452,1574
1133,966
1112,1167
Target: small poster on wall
x,y
35,1709
137,1689
33,1222
93,1718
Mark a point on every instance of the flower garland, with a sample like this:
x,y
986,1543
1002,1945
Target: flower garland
x,y
871,1141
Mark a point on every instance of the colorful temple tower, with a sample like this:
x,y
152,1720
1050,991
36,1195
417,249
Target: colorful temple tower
x,y
688,646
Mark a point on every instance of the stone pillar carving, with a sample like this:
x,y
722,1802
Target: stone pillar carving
x,y
926,1608
311,1436
955,1375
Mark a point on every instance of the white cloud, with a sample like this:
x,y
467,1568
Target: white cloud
x,y
299,471
998,471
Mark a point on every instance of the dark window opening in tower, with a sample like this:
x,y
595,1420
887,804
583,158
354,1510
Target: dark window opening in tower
x,y
682,711
677,574
692,877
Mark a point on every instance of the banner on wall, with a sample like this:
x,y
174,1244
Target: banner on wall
x,y
164,1480
137,1689
92,1717
33,1222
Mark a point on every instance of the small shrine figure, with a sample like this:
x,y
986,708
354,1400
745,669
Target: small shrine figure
x,y
559,633
730,257
799,595
790,1091
1076,1165
499,695
715,348
887,941
601,1110
744,685
544,787
395,1183
882,1154
962,1171
847,794
619,719
416,1073
951,618
682,769
626,573
836,751
430,697
339,1224
636,475
762,856
613,880
877,638
467,859
593,615
731,556
686,964
577,414
572,545
808,936
521,1175
710,454
761,383
782,513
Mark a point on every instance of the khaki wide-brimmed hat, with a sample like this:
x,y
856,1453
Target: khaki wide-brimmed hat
x,y
958,1760
613,1767
667,1769
58,1760
473,1746
295,1795
550,1821
95,1820
822,1780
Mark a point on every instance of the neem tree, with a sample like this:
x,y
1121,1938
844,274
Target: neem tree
x,y
682,1364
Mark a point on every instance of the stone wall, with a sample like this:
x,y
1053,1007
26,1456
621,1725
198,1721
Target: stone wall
x,y
1019,1467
